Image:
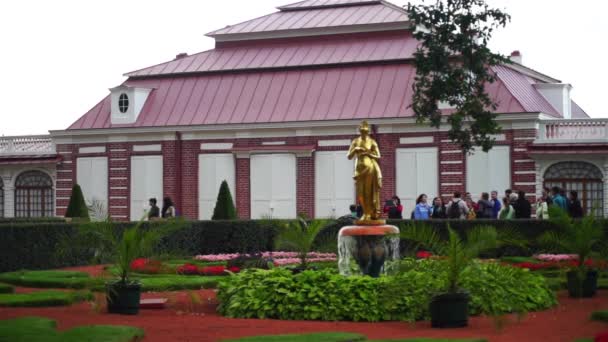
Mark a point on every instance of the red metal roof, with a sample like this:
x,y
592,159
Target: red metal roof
x,y
365,13
295,53
347,92
521,86
307,4
578,112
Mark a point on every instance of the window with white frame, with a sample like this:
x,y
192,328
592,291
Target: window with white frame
x,y
334,186
92,176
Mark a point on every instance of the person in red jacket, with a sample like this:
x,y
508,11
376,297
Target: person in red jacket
x,y
394,209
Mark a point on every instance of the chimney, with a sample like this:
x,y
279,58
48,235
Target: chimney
x,y
516,57
181,55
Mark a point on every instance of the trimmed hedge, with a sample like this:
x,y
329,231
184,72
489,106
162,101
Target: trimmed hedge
x,y
34,245
43,298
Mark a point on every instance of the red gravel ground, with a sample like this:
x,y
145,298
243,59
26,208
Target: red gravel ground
x,y
183,321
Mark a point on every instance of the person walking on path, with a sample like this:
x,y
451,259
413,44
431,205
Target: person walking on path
x,y
542,208
485,207
558,199
523,208
423,209
507,212
394,211
575,209
168,210
438,211
495,204
457,208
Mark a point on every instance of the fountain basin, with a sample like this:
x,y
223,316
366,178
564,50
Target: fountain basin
x,y
370,246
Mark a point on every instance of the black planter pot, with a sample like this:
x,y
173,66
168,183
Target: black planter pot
x,y
123,298
586,289
450,310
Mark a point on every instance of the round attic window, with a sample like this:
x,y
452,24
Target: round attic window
x,y
123,103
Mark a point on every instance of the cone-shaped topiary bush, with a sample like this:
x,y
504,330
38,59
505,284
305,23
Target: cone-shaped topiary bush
x,y
224,207
77,208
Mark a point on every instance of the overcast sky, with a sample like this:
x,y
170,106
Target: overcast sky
x,y
58,58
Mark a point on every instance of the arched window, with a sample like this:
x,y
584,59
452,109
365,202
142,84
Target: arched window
x,y
33,194
584,178
1,198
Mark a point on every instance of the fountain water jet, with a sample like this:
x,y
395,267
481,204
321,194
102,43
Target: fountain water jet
x,y
370,246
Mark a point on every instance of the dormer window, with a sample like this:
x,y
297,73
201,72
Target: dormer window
x,y
123,103
127,103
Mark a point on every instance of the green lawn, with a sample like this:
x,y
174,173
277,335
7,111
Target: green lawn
x,y
81,280
338,337
39,329
601,316
43,298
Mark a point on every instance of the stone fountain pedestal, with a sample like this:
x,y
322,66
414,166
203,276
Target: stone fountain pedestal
x,y
370,244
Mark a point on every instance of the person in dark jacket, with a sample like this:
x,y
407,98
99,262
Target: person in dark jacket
x,y
154,212
438,211
394,211
485,208
575,209
523,208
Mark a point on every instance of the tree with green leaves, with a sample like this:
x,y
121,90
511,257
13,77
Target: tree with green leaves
x,y
77,208
453,66
224,206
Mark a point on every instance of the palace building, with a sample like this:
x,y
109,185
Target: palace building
x,y
272,110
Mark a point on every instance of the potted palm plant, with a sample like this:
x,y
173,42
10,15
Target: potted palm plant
x,y
580,237
121,247
450,309
299,236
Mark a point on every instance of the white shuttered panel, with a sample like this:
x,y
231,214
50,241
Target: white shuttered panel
x,y
213,169
417,173
334,185
489,171
273,185
92,176
146,183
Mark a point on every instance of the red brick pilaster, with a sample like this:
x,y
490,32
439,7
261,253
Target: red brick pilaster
x,y
119,180
243,189
188,205
305,186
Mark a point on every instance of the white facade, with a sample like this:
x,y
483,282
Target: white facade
x,y
418,173
92,176
334,185
489,171
273,185
146,183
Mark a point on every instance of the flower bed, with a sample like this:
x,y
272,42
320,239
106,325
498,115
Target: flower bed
x,y
190,269
558,261
279,258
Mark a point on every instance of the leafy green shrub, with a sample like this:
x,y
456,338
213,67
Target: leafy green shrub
x,y
224,206
39,329
43,298
5,288
601,316
317,337
77,208
325,295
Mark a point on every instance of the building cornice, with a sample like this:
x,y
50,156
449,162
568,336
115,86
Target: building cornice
x,y
269,130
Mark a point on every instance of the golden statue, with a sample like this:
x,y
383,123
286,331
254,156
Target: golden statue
x,y
368,177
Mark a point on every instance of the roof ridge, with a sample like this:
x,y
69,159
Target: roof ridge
x,y
166,62
329,4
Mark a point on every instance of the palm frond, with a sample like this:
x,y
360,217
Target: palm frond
x,y
422,235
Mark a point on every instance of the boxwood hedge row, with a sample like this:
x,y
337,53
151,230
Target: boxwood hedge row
x,y
34,245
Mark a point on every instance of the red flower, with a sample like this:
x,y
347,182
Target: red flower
x,y
143,265
424,255
601,337
233,269
187,269
213,270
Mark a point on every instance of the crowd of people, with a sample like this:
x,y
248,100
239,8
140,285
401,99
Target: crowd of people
x,y
513,205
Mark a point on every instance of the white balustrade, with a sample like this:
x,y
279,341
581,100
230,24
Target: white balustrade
x,y
572,131
26,145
